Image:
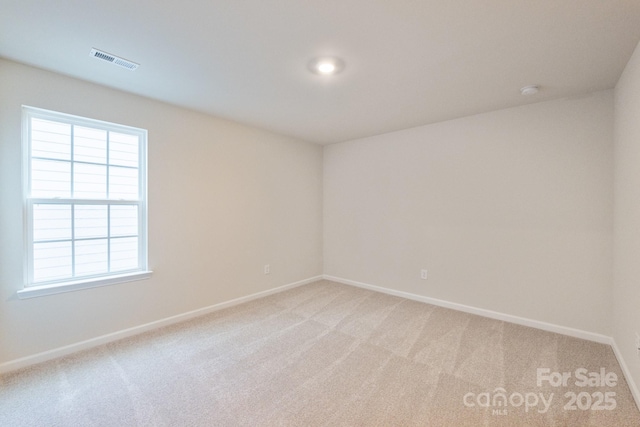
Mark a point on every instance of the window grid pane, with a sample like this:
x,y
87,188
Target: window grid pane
x,y
89,181
51,140
123,183
123,149
91,257
73,240
51,222
50,178
124,221
90,221
52,261
124,254
90,145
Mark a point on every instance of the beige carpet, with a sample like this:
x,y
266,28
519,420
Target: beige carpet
x,y
325,354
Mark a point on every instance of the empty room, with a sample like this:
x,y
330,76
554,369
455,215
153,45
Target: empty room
x,y
338,213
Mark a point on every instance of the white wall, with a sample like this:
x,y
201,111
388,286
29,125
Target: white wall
x,y
224,200
626,290
510,211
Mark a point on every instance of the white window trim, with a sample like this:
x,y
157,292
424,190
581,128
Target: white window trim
x,y
57,288
31,290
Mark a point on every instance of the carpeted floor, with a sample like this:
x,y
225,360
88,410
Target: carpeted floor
x,y
327,354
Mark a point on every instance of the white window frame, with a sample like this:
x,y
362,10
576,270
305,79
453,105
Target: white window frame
x,y
32,289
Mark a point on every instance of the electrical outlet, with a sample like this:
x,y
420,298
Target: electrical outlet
x,y
423,274
267,269
638,344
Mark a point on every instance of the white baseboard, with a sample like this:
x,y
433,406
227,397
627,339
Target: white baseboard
x,y
550,327
627,373
23,362
577,333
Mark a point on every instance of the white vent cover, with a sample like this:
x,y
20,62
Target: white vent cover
x,y
121,62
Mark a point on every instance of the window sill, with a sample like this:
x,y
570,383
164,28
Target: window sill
x,y
57,288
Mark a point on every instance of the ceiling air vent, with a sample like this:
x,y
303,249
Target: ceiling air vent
x,y
121,62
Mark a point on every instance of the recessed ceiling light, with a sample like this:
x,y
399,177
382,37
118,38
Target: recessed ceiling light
x,y
326,66
530,90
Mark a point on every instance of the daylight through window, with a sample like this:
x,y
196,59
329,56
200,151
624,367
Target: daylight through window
x,y
85,198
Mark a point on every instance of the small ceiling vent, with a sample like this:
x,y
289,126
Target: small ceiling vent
x,y
121,62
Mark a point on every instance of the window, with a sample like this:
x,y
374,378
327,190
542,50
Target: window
x,y
85,201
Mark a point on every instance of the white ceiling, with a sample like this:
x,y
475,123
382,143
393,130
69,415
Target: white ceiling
x,y
408,62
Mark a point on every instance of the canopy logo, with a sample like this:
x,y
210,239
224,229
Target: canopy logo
x,y
499,401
